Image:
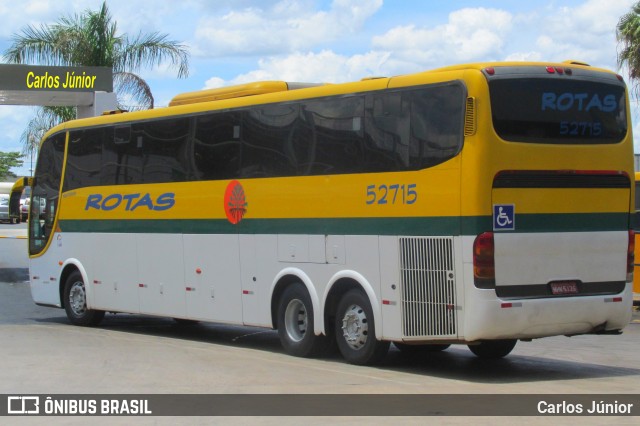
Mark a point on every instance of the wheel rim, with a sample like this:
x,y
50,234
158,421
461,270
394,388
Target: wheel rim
x,y
78,298
355,327
295,320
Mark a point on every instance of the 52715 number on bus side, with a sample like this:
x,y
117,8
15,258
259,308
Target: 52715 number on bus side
x,y
392,194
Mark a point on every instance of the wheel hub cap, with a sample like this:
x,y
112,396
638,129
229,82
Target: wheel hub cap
x,y
77,298
295,320
355,327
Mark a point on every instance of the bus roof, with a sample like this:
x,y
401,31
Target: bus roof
x,y
264,87
237,91
481,65
268,91
21,184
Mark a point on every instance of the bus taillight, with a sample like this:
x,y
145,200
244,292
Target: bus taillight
x,y
484,270
631,248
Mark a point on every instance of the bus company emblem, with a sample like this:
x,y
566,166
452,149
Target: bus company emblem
x,y
235,202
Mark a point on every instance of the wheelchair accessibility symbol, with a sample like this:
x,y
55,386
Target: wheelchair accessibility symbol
x,y
504,217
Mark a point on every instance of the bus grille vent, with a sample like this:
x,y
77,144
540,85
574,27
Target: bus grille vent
x,y
427,287
470,117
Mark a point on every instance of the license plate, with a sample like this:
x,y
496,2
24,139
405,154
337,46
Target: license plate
x,y
564,287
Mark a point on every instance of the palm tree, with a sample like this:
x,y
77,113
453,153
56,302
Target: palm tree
x,y
628,35
90,39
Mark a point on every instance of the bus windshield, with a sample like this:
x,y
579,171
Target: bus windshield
x,y
558,111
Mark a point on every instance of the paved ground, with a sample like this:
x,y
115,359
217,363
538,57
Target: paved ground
x,y
130,354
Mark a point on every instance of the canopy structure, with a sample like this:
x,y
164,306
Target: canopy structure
x,y
88,88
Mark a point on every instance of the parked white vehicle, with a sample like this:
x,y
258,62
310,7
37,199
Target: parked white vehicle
x,y
24,208
4,207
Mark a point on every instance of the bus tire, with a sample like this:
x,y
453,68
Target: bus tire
x,y
296,324
420,348
493,349
75,302
356,332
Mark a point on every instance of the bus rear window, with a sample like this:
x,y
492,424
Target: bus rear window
x,y
558,111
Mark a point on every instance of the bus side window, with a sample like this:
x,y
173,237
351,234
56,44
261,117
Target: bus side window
x,y
216,146
164,149
267,141
122,159
387,133
338,130
84,158
437,123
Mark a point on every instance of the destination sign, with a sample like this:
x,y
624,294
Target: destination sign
x,y
43,78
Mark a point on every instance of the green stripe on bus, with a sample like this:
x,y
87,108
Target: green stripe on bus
x,y
431,226
351,226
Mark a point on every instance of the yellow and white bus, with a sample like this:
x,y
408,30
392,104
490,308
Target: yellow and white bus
x,y
477,204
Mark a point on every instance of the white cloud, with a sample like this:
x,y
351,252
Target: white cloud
x,y
585,32
18,15
214,83
531,56
325,66
470,34
591,17
286,26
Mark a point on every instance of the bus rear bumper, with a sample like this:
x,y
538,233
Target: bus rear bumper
x,y
490,317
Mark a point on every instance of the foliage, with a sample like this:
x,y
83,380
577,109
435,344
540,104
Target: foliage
x,y
628,35
91,39
7,161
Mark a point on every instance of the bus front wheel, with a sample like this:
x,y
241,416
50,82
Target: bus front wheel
x,y
493,349
356,332
296,323
75,302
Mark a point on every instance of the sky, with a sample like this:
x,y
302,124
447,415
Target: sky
x,y
239,41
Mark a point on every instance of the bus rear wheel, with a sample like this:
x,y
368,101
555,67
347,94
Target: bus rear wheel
x,y
356,332
75,302
493,349
296,323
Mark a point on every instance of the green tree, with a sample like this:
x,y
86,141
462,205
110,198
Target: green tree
x,y
91,39
7,161
628,35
